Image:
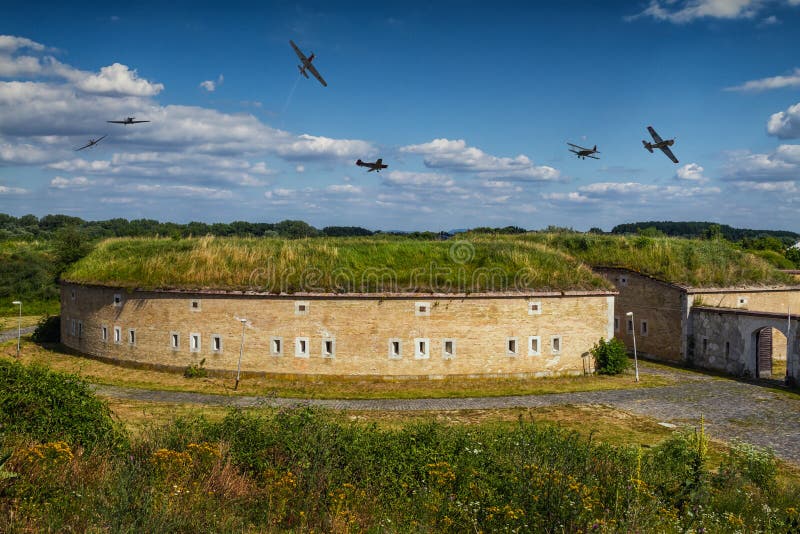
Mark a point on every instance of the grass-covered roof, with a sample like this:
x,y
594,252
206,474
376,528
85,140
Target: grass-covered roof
x,y
334,265
689,262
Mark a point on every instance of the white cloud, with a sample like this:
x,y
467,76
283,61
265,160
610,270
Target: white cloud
x,y
572,196
60,182
417,179
300,169
691,172
781,165
211,85
785,124
629,192
183,191
118,80
765,84
311,146
5,190
11,43
25,154
344,188
456,156
788,186
685,11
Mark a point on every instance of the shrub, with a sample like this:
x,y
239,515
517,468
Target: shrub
x,y
196,370
611,357
48,406
48,330
750,463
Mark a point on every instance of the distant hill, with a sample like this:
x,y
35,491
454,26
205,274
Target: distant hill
x,y
698,229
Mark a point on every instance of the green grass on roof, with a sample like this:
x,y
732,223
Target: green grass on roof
x,y
360,265
691,262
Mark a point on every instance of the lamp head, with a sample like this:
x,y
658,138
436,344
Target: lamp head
x,y
17,303
629,314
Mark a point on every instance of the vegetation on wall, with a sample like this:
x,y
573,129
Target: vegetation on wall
x,y
369,264
692,262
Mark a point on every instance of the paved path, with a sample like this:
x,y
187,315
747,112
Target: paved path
x,y
12,334
732,409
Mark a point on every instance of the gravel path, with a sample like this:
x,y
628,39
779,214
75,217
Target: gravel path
x,y
12,334
731,409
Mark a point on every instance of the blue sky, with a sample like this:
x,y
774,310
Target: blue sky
x,y
470,104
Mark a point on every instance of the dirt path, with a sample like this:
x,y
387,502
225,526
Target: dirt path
x,y
731,409
12,334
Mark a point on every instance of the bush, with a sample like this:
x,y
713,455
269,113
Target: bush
x,y
48,330
610,357
196,370
47,406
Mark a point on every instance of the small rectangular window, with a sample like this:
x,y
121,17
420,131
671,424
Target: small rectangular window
x,y
117,334
630,326
131,336
742,301
448,349
623,280
616,324
301,347
511,346
174,340
533,345
104,334
276,346
727,349
534,308
80,329
421,348
194,342
395,346
216,343
328,348
194,305
73,327
301,308
422,309
643,328
72,294
555,343
705,345
117,299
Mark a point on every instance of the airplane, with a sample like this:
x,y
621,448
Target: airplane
x,y
127,120
660,143
377,166
584,153
91,142
307,66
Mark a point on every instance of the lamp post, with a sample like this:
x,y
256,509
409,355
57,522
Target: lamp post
x,y
633,332
241,350
19,323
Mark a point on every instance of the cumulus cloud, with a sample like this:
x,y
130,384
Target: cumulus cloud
x,y
785,124
788,186
344,188
456,156
765,84
118,80
629,192
59,182
417,179
211,85
312,146
781,165
691,172
11,43
685,11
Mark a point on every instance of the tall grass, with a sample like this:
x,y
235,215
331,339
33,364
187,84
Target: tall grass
x,y
333,265
305,469
693,262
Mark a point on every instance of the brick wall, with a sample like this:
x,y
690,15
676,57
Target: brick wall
x,y
359,332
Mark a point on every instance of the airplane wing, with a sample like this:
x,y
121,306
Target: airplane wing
x,y
84,146
588,156
668,152
656,137
314,71
137,122
577,146
117,122
297,51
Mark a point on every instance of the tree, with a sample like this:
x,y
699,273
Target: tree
x,y
610,357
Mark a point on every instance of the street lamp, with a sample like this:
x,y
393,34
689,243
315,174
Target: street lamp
x,y
633,331
241,350
19,323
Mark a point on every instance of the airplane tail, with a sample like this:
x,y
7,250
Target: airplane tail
x,y
594,149
648,146
302,71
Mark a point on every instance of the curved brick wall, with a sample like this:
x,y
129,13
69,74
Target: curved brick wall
x,y
341,335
